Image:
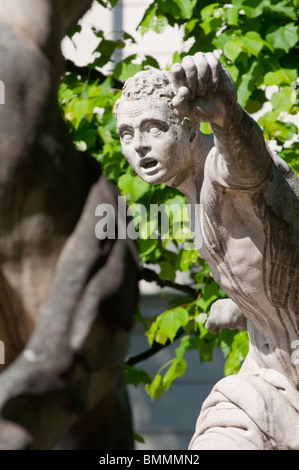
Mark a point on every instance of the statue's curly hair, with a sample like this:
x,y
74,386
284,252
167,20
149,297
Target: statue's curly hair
x,y
155,83
150,82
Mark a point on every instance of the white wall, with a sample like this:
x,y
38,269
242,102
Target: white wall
x,y
126,16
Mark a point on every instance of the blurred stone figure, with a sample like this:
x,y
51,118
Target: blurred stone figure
x,y
247,230
67,299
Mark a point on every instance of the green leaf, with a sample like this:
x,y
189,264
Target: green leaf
x,y
148,16
74,30
108,119
151,333
189,27
207,346
252,9
291,156
186,259
226,340
248,83
138,438
275,129
233,48
106,49
65,93
153,21
136,377
233,71
211,25
172,320
167,271
155,388
177,369
159,24
146,246
76,110
126,68
133,186
205,128
284,37
151,61
179,9
220,41
239,351
281,100
283,8
245,88
209,294
253,42
233,363
255,101
280,77
207,12
231,15
185,344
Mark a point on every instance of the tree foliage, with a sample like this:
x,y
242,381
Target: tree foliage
x,y
257,42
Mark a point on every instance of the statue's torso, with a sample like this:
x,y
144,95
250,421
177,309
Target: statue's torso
x,y
252,248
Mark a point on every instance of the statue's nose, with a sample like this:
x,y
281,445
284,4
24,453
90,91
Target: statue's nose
x,y
141,145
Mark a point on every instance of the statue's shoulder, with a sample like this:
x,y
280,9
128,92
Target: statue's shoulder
x,y
221,175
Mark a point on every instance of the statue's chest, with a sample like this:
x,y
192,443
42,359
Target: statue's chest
x,y
233,243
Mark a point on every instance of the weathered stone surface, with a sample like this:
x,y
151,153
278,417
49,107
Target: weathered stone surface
x,y
247,205
66,298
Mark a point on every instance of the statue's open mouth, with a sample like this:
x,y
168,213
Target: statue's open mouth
x,y
148,163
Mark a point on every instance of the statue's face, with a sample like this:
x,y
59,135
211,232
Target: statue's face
x,y
156,147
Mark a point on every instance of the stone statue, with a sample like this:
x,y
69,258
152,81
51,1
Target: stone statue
x,y
247,231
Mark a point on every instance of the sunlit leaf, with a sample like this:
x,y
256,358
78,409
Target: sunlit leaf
x,y
284,37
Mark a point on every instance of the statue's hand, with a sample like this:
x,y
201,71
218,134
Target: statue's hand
x,y
205,91
225,314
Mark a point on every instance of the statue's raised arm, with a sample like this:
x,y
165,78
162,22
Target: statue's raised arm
x,y
206,92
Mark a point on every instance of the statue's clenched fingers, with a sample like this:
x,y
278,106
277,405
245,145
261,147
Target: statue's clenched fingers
x,y
215,68
191,75
178,76
181,101
226,85
203,74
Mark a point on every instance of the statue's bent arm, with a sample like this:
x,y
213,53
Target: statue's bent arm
x,y
205,92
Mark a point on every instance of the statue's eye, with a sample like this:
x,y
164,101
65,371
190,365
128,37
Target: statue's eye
x,y
127,136
154,130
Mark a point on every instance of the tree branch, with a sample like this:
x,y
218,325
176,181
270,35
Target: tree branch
x,y
156,347
150,276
